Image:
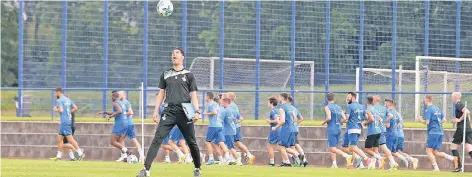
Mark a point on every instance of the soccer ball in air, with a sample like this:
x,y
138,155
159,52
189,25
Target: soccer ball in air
x,y
165,7
132,159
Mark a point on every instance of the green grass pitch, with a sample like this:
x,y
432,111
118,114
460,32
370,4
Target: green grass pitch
x,y
47,168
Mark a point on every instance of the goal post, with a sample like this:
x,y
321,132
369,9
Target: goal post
x,y
436,80
240,73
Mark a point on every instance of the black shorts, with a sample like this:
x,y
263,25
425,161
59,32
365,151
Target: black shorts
x,y
458,135
372,141
65,139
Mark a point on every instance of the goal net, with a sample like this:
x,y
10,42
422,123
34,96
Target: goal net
x,y
434,74
240,73
456,76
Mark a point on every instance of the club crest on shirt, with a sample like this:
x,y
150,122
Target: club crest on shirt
x,y
184,78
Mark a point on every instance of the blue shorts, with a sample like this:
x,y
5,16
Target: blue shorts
x,y
118,131
65,130
400,142
273,136
383,138
353,139
434,142
131,133
229,141
238,136
345,140
392,142
287,139
165,141
215,135
333,138
175,135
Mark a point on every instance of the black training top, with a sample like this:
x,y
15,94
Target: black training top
x,y
178,85
458,114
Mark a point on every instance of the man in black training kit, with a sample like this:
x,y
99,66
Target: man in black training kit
x,y
461,113
177,86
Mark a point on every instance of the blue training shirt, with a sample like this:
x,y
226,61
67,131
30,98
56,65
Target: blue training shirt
x,y
274,113
356,113
129,117
295,119
334,125
383,115
290,115
121,121
234,106
374,127
229,116
400,126
434,115
215,120
66,104
393,129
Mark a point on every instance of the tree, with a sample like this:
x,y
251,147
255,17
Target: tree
x,y
9,46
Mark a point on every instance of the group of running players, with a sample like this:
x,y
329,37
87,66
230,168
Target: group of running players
x,y
384,131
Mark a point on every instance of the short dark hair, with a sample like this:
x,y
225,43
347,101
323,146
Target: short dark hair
x,y
284,95
114,91
290,98
353,94
216,99
210,95
273,101
330,96
389,100
181,50
58,89
370,100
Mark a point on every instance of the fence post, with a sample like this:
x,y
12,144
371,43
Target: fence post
x,y
292,52
394,48
258,57
458,42
64,45
361,49
145,56
328,29
203,106
222,43
52,104
426,39
19,112
184,29
105,55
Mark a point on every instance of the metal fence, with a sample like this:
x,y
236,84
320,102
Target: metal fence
x,y
118,44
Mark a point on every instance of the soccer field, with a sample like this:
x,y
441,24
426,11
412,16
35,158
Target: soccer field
x,y
36,168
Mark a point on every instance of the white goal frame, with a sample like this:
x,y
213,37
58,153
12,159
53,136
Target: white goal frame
x,y
216,59
419,60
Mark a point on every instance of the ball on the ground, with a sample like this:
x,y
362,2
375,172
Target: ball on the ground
x,y
165,7
132,159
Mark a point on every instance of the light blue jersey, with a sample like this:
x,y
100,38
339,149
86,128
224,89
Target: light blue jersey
x,y
374,127
274,113
356,113
128,107
121,121
67,105
290,116
228,120
434,115
215,120
234,106
393,130
401,134
297,116
383,115
334,125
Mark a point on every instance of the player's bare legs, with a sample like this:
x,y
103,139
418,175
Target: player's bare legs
x,y
284,155
248,155
209,149
408,158
333,151
355,149
443,155
270,150
388,154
